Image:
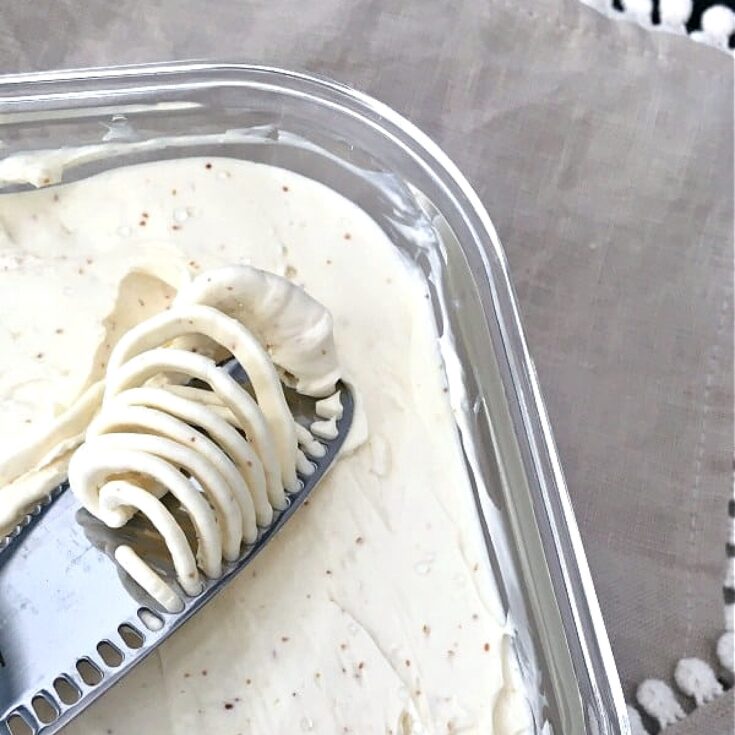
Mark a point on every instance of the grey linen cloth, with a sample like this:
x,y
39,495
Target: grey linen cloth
x,y
603,153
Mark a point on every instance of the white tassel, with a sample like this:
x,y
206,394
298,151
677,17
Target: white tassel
x,y
696,679
726,651
636,724
675,14
658,700
639,11
718,22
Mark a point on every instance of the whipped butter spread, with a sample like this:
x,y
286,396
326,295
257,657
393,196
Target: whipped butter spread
x,y
376,610
243,452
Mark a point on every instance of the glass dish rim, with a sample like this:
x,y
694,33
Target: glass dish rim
x,y
578,587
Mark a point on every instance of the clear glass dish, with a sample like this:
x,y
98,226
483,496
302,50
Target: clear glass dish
x,y
372,155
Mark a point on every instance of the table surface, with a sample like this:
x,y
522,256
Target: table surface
x,y
603,153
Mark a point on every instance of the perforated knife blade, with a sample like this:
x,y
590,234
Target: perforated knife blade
x,y
72,623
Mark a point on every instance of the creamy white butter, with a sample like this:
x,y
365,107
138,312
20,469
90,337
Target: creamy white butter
x,y
242,451
376,611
